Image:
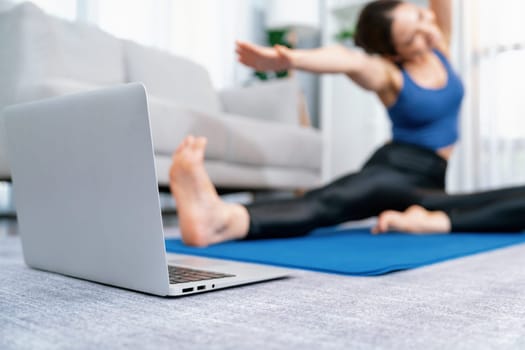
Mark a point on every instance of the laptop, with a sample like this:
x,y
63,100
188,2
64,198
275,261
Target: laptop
x,y
87,200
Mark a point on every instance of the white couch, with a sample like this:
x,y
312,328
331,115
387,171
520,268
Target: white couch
x,y
255,140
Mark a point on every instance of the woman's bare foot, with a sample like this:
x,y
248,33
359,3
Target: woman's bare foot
x,y
204,218
415,219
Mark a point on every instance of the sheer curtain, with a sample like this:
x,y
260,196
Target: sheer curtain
x,y
502,101
202,30
491,56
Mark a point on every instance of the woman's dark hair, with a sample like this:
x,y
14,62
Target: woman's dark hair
x,y
374,27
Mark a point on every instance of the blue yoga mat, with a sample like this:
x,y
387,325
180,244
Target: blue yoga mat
x,y
353,252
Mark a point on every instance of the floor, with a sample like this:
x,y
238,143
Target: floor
x,y
477,302
8,227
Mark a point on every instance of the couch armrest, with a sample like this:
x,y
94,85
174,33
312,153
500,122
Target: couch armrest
x,y
171,123
52,88
273,101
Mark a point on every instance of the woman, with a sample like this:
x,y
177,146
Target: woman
x,y
407,65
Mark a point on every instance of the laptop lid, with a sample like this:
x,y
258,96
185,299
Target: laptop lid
x,y
85,187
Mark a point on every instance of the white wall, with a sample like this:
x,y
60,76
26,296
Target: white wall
x,y
353,121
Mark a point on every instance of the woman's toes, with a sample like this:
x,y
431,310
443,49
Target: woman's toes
x,y
188,141
383,221
199,144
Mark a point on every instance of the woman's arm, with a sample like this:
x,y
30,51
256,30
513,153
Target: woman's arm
x,y
370,72
443,11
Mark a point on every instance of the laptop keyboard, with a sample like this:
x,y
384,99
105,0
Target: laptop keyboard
x,y
183,274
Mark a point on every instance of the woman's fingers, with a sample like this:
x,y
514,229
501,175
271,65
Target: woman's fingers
x,y
387,221
248,57
262,58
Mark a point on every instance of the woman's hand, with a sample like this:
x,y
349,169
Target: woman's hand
x,y
433,35
260,58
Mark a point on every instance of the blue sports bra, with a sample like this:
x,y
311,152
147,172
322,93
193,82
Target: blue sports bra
x,y
427,117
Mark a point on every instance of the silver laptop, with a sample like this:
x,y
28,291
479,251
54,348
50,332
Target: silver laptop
x,y
87,199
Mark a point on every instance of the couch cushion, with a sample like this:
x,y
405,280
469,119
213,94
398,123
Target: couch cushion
x,y
37,47
85,53
257,142
72,50
6,5
273,100
170,77
53,87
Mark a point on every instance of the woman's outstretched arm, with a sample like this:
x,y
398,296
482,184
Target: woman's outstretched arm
x,y
368,71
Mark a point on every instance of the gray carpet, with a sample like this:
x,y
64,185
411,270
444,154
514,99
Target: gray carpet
x,y
476,302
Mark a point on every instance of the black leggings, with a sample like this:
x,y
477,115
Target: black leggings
x,y
395,177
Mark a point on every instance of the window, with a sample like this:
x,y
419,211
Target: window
x,y
501,101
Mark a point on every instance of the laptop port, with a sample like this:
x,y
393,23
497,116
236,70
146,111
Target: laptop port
x,y
201,287
187,290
